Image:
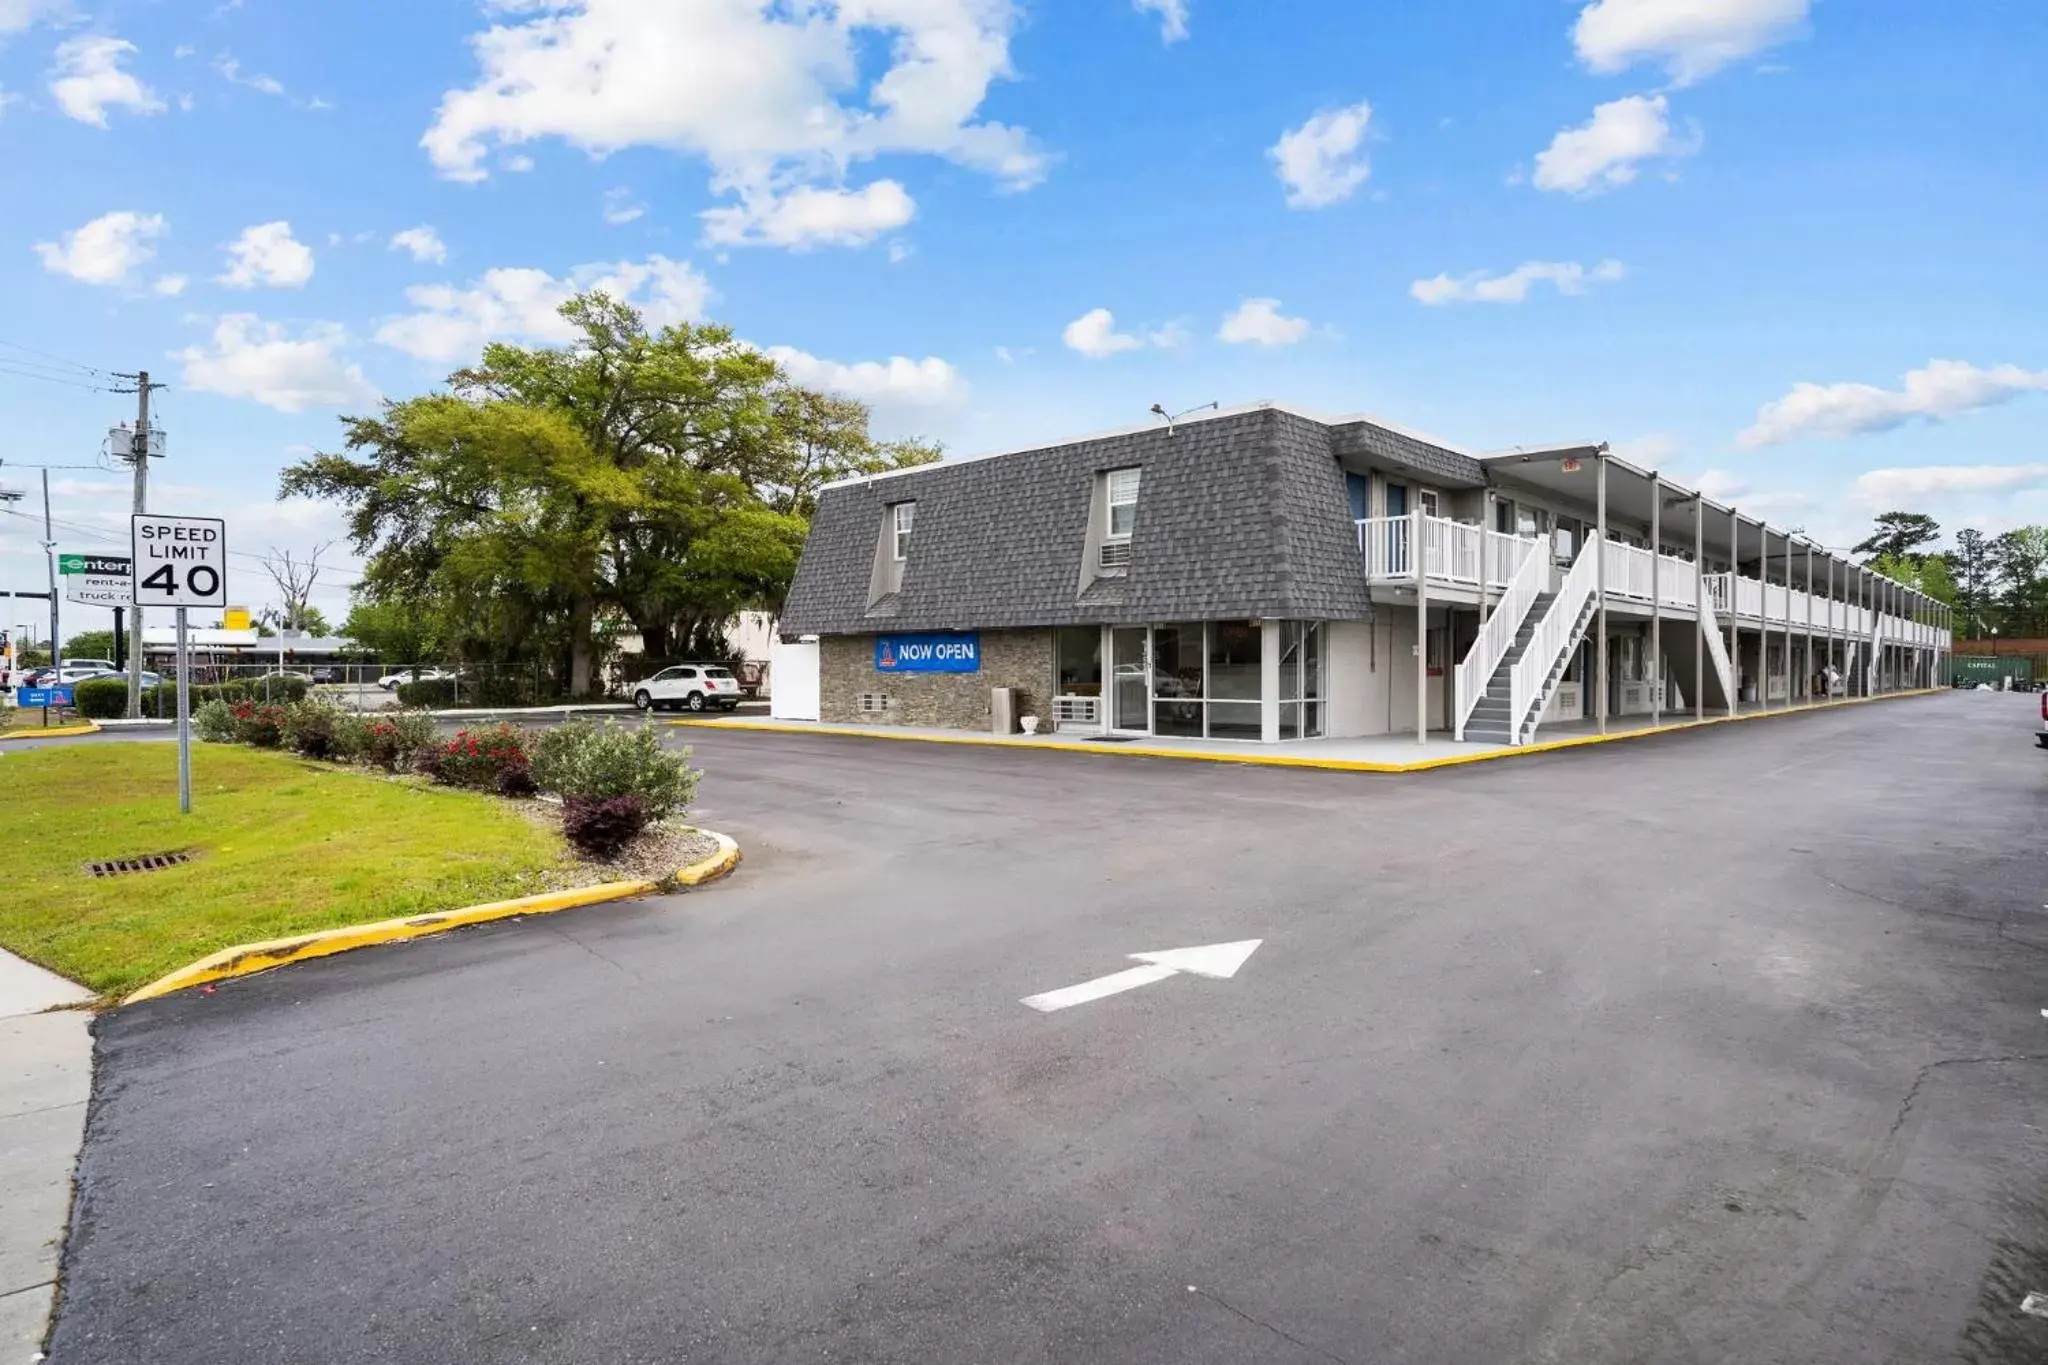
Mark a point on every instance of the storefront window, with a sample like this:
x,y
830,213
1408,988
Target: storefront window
x,y
1301,679
1177,680
1080,661
1234,679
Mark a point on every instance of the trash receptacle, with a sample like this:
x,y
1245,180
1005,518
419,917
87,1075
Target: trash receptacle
x,y
1002,710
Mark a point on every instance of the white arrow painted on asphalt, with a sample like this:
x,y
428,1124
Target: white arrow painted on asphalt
x,y
1217,960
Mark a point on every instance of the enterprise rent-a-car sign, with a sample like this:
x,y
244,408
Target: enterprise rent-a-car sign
x,y
951,653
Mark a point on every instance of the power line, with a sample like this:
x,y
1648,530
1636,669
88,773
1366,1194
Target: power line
x,y
69,364
104,534
6,367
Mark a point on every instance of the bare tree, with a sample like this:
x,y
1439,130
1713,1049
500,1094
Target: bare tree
x,y
294,580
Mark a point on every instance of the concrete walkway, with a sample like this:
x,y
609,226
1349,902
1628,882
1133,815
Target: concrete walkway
x,y
1387,753
45,1078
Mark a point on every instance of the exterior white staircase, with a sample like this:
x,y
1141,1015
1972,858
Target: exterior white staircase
x,y
1478,675
1717,650
1528,672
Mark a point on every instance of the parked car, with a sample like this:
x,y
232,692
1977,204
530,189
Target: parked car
x,y
326,673
78,670
102,665
695,686
149,679
390,681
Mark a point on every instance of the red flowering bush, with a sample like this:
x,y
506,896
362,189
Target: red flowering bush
x,y
478,758
257,723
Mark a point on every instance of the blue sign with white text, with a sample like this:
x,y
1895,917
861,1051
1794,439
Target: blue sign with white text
x,y
42,696
950,653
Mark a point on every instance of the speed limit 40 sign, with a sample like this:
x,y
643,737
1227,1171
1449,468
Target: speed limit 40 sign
x,y
180,561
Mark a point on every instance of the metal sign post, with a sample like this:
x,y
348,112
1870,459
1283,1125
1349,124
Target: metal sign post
x,y
180,562
184,721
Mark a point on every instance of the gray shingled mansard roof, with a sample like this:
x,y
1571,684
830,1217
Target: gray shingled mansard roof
x,y
1241,515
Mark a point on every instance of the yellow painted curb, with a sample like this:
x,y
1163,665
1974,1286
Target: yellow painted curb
x,y
1250,759
245,959
84,727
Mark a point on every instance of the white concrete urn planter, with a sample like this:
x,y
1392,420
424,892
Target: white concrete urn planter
x,y
1029,724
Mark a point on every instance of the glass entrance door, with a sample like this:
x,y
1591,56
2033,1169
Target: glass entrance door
x,y
1130,699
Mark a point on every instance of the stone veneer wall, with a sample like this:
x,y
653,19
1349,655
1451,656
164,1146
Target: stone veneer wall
x,y
1022,659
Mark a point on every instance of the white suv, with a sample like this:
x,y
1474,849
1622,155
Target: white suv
x,y
696,686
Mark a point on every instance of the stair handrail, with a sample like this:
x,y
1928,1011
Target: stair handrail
x,y
1497,636
1553,635
1717,650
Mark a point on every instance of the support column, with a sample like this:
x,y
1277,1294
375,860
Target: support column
x,y
1600,575
1831,622
1416,557
1763,617
1735,606
1656,599
1809,623
1699,606
1788,619
1487,548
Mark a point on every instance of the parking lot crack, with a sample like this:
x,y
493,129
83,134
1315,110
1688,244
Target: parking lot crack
x,y
1920,1079
1235,1311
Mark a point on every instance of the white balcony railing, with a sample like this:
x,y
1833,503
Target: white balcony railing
x,y
1453,552
1635,573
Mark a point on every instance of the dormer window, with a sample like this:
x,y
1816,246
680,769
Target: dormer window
x,y
1123,503
902,516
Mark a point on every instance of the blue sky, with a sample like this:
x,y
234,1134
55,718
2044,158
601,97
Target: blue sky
x,y
1789,248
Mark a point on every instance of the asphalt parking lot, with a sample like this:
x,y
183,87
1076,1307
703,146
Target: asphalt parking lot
x,y
1719,1047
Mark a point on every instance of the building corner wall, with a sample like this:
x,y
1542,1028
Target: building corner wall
x,y
1022,659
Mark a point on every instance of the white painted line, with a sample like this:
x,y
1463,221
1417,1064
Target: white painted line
x,y
1113,984
2035,1305
1218,961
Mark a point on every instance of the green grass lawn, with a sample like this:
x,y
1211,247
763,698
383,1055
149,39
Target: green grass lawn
x,y
16,720
281,846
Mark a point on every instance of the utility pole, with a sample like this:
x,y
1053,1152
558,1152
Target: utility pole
x,y
138,455
50,558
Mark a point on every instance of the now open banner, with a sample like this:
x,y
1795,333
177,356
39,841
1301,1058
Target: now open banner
x,y
950,652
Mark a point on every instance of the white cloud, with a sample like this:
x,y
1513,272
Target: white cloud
x,y
809,216
104,250
169,286
898,381
1936,392
1478,287
1259,322
88,80
1606,151
521,304
1094,335
19,15
1173,17
267,254
1892,487
231,71
422,242
619,207
1693,38
1722,486
1648,450
1321,162
258,360
773,96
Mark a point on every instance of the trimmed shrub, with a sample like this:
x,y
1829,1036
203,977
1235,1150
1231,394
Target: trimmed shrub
x,y
516,779
601,826
434,693
594,762
214,723
257,723
475,758
351,736
309,727
101,698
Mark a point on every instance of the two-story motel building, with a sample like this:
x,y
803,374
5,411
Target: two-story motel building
x,y
1262,575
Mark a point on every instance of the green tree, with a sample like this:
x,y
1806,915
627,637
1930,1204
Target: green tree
x,y
1899,535
2019,559
397,630
662,478
90,644
1970,564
